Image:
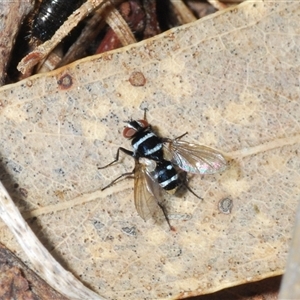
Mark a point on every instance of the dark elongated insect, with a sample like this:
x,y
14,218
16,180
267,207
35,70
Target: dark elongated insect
x,y
51,15
157,164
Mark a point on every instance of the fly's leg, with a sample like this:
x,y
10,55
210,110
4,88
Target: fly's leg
x,y
168,140
119,177
181,136
183,182
128,152
166,215
189,189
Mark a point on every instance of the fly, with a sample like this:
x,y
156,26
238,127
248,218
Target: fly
x,y
158,164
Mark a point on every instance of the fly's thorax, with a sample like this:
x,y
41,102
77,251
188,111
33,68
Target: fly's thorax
x,y
147,144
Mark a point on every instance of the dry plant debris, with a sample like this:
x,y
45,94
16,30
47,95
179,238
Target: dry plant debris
x,y
12,15
231,81
17,281
49,39
266,289
55,275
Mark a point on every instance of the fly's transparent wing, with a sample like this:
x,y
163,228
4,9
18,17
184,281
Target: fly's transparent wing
x,y
147,193
197,159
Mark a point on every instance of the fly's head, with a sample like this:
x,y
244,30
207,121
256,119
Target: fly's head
x,y
133,127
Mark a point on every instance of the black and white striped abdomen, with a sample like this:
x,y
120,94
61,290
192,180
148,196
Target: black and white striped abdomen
x,y
166,176
147,144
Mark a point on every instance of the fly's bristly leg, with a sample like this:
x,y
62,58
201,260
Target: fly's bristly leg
x,y
181,136
128,152
190,190
119,177
183,180
165,214
168,140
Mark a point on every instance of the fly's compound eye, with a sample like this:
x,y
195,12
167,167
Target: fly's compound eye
x,y
133,127
129,132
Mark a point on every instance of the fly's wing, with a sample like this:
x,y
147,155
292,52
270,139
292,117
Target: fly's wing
x,y
197,159
147,193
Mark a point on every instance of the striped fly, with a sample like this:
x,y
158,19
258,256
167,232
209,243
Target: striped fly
x,y
158,164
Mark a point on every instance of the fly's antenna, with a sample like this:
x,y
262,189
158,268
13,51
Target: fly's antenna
x,y
145,112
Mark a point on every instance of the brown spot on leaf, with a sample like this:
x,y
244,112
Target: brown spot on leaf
x,y
29,83
65,81
137,79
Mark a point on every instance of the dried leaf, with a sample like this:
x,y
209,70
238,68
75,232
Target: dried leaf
x,y
231,81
